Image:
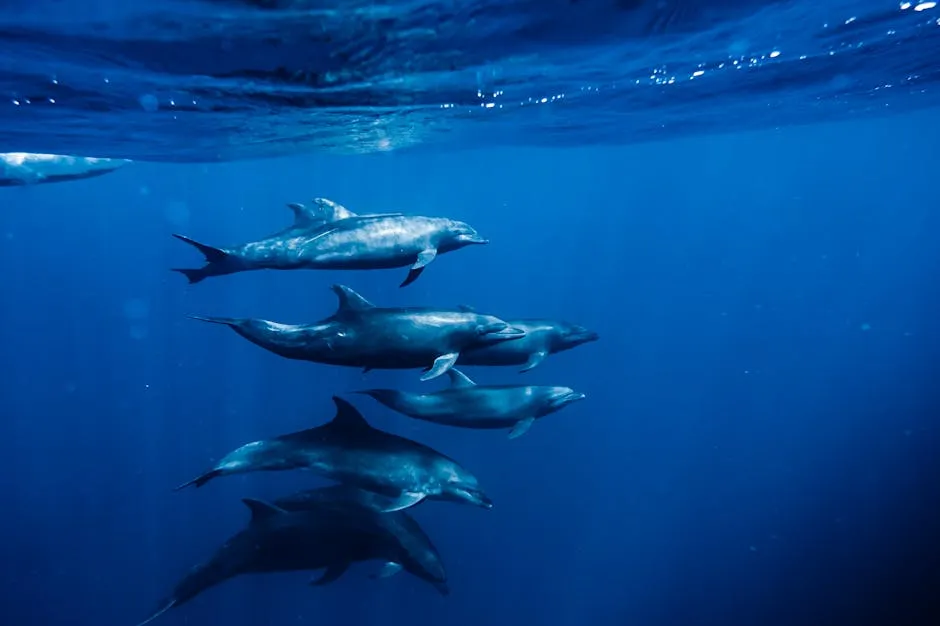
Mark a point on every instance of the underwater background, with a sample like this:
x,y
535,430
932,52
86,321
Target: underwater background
x,y
758,444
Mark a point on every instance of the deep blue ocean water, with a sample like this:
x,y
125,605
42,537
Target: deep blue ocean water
x,y
758,445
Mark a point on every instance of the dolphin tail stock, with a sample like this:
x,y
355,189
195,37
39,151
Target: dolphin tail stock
x,y
214,258
201,480
163,609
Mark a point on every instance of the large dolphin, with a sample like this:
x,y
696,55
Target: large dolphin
x,y
468,405
405,528
361,334
350,451
278,540
327,235
30,168
542,338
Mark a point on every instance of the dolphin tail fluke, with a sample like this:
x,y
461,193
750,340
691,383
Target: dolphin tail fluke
x,y
226,321
166,607
199,481
213,255
192,275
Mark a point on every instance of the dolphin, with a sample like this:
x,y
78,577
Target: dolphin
x,y
360,334
542,338
327,235
406,529
350,451
468,405
279,540
30,168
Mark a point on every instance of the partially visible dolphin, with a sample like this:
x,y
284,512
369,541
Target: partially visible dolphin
x,y
277,540
350,451
542,338
468,405
405,528
361,334
327,235
29,168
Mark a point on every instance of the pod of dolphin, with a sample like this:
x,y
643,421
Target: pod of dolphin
x,y
377,474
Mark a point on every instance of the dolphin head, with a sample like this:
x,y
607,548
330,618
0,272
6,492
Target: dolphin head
x,y
459,485
494,330
571,335
459,234
557,398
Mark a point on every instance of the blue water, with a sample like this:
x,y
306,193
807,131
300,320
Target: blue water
x,y
758,445
205,80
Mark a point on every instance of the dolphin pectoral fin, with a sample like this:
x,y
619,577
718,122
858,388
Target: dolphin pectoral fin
x,y
332,573
405,500
521,427
535,359
389,569
424,257
441,365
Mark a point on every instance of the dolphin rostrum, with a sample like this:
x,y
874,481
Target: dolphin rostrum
x,y
468,405
350,451
542,338
327,235
280,540
360,334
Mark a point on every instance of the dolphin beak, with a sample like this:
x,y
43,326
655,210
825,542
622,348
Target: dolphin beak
x,y
583,335
474,238
567,398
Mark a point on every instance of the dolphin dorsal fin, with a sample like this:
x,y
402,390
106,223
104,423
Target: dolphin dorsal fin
x,y
305,216
331,211
466,308
261,510
458,379
348,418
350,300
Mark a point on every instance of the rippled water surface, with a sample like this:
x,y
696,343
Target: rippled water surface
x,y
205,80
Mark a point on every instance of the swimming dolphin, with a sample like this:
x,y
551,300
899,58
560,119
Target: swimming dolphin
x,y
29,168
542,338
350,451
327,235
278,540
405,528
468,405
361,334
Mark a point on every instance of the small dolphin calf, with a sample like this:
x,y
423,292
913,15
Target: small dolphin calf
x,y
277,540
327,235
468,405
361,334
542,338
350,451
405,528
